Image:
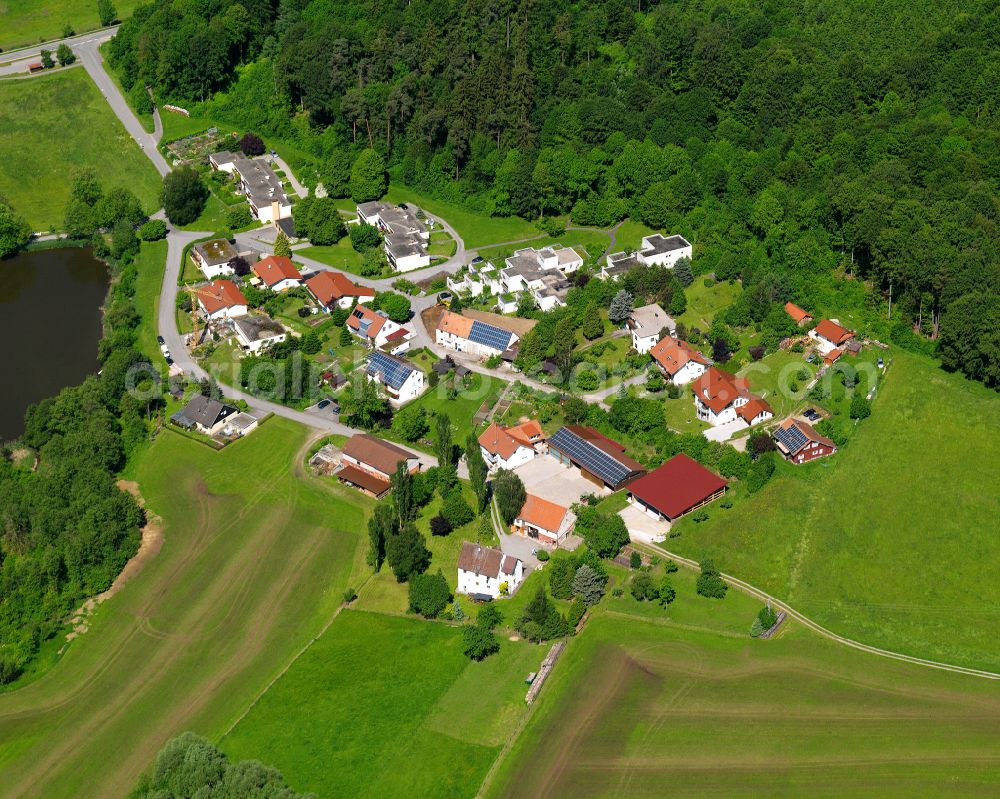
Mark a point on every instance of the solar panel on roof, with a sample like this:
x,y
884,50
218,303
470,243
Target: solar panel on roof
x,y
591,458
792,438
394,372
489,336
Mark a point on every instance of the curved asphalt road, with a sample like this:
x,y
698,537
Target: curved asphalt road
x,y
176,242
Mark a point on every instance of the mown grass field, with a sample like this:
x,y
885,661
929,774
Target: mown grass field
x,y
253,565
55,124
340,255
647,708
893,540
704,302
385,706
24,22
150,263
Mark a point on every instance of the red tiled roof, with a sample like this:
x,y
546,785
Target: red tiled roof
x,y
672,354
752,409
833,332
833,355
454,323
220,294
504,442
375,452
354,322
328,287
275,268
796,312
718,389
396,335
677,486
542,513
362,479
480,560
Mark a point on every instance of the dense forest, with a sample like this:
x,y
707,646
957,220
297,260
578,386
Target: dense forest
x,y
787,140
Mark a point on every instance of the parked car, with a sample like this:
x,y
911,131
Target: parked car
x,y
444,298
324,403
160,341
811,415
165,350
881,363
477,260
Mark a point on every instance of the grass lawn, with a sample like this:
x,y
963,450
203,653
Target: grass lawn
x,y
254,563
340,255
478,388
889,540
57,124
773,376
630,234
213,217
680,413
151,262
589,244
475,229
24,22
637,707
704,302
388,707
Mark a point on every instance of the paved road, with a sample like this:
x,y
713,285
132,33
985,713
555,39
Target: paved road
x,y
299,189
14,61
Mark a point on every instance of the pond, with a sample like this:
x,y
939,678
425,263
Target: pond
x,y
50,326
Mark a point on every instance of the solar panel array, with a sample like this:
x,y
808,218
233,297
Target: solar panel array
x,y
792,438
591,458
489,336
394,372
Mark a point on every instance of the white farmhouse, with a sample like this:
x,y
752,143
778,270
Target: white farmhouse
x,y
254,333
478,338
510,447
487,573
400,379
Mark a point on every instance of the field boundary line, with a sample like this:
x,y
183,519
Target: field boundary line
x,y
829,634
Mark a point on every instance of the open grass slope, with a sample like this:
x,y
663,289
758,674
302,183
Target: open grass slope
x,y
53,125
641,710
893,541
384,706
24,22
253,565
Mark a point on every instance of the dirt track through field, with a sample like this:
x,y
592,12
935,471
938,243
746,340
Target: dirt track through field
x,y
189,646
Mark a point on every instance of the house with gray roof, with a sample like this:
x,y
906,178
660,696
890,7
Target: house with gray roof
x,y
204,414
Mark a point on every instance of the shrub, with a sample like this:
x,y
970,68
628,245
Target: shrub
x,y
543,555
767,618
238,216
429,594
153,230
489,616
576,611
635,560
670,566
456,510
710,583
587,381
251,144
440,525
478,642
642,587
350,595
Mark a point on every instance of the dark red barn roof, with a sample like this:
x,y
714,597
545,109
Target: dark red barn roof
x,y
677,486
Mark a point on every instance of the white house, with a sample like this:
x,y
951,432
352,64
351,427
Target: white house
x,y
221,299
336,290
406,253
262,187
277,273
646,324
406,235
204,414
378,330
663,250
213,257
540,273
510,447
487,573
721,397
679,361
400,379
254,333
480,339
829,335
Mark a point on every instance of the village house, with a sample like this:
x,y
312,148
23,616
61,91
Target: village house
x,y
335,290
221,299
369,463
406,235
485,573
277,273
541,274
600,460
679,361
377,330
799,442
799,316
647,325
656,249
258,182
213,257
257,331
544,520
400,379
477,338
204,414
510,447
720,397
679,486
830,335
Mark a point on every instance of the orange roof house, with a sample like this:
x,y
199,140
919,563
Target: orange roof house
x,y
277,272
508,447
755,410
832,332
221,297
455,324
678,359
800,316
542,519
332,287
718,390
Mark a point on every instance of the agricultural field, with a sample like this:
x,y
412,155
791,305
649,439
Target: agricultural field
x,y
388,706
57,124
890,541
24,22
253,565
721,714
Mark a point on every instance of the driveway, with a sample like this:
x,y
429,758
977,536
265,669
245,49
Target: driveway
x,y
545,477
723,432
642,527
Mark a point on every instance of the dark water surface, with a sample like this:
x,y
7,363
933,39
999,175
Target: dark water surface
x,y
50,325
